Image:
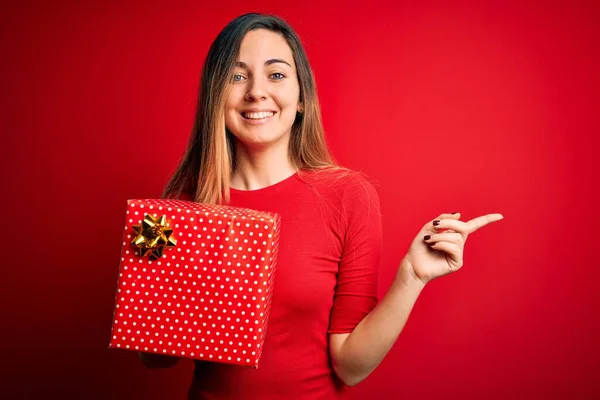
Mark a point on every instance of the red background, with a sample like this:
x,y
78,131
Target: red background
x,y
450,106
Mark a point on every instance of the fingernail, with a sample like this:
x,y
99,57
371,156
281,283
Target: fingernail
x,y
455,213
426,237
436,222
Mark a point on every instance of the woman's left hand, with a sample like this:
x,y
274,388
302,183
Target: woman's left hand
x,y
438,248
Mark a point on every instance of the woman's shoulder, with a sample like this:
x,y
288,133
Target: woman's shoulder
x,y
341,181
337,177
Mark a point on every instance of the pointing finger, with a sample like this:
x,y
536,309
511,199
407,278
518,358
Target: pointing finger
x,y
482,221
444,225
466,227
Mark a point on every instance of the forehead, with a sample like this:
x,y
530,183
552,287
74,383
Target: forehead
x,y
261,45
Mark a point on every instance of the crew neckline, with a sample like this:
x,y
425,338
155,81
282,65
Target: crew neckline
x,y
267,189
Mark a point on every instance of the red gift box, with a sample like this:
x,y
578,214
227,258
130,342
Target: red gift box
x,y
195,280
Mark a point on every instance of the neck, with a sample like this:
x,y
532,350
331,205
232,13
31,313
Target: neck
x,y
259,167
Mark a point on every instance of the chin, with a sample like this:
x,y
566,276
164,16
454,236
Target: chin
x,y
259,140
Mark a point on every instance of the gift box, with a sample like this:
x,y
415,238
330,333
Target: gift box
x,y
195,280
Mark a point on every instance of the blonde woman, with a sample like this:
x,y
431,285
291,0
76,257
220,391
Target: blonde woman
x,y
258,142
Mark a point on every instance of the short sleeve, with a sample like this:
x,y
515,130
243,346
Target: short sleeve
x,y
357,281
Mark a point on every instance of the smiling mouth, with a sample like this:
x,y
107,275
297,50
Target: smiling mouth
x,y
258,115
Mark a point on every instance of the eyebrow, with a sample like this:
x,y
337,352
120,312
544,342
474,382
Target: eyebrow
x,y
242,64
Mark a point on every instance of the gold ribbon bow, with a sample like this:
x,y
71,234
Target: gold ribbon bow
x,y
153,236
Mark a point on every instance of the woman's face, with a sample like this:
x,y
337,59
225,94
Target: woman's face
x,y
265,93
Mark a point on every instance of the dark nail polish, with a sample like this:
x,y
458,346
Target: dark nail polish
x,y
427,237
455,213
436,222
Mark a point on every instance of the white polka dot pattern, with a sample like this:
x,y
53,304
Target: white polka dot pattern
x,y
207,298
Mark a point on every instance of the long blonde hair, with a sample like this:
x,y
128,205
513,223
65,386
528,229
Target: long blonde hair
x,y
205,169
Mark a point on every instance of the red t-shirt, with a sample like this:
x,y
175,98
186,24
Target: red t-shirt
x,y
325,282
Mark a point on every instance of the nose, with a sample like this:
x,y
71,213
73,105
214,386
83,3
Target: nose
x,y
256,90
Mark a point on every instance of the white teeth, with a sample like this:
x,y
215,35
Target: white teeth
x,y
258,115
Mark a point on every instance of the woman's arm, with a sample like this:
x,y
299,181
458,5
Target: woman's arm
x,y
355,355
152,360
437,250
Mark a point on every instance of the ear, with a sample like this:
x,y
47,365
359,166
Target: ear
x,y
300,108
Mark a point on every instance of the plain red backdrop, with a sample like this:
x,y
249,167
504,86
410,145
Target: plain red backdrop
x,y
478,108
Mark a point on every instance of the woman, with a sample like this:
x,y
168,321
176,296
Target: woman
x,y
258,142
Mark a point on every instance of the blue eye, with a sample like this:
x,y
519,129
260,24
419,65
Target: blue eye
x,y
277,76
237,77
